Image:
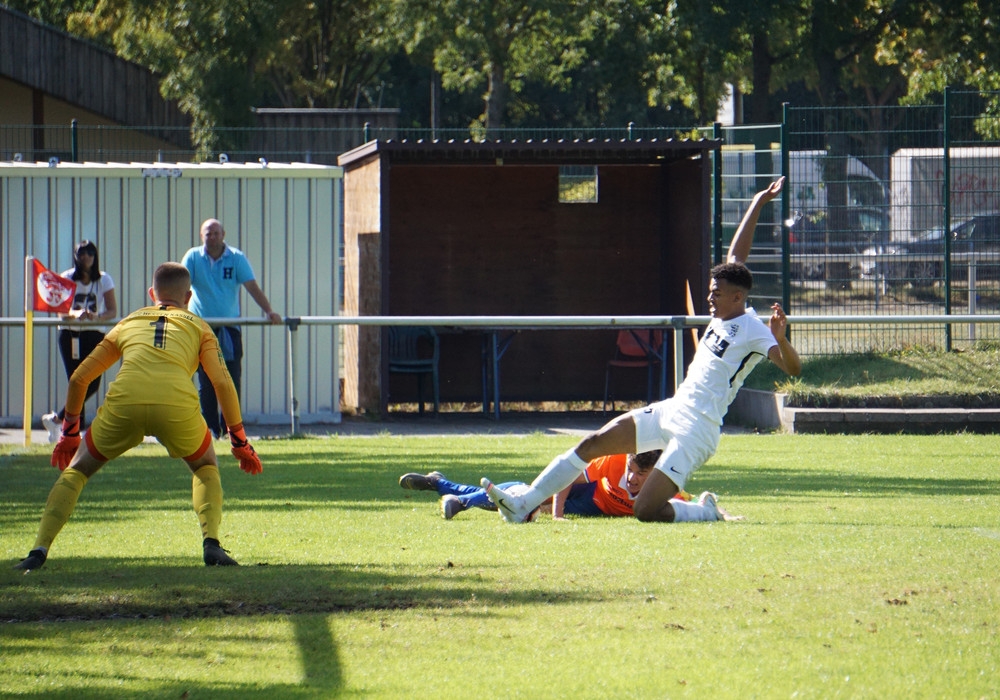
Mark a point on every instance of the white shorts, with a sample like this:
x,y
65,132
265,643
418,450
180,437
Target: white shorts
x,y
687,440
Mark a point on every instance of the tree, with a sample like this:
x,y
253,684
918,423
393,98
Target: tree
x,y
939,43
328,51
207,54
753,45
54,12
499,44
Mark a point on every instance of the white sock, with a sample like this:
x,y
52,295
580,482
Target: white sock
x,y
689,512
561,472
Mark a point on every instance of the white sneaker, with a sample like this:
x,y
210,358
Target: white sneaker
x,y
52,424
511,507
709,500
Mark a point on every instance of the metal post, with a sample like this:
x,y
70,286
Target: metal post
x,y
495,360
786,267
678,323
946,200
973,301
293,403
74,141
717,197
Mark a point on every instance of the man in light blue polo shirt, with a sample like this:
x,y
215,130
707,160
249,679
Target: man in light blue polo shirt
x,y
217,273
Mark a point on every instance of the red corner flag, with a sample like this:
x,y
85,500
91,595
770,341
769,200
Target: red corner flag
x,y
52,292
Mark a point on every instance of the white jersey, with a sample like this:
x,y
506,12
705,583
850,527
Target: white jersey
x,y
90,296
727,353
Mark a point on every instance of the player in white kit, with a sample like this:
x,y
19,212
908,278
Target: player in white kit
x,y
686,426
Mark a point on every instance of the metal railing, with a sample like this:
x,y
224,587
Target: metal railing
x,y
674,324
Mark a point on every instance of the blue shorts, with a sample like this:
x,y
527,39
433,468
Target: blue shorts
x,y
580,500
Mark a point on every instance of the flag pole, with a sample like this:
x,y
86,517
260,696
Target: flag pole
x,y
29,317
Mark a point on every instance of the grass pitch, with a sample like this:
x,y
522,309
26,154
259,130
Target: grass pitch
x,y
866,567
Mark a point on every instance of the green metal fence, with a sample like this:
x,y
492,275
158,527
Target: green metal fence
x,y
870,206
887,210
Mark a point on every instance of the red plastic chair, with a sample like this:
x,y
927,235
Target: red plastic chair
x,y
635,348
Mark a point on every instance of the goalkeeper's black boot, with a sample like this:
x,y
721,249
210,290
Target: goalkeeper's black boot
x,y
215,555
34,560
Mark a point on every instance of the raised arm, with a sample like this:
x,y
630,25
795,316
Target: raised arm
x,y
739,249
784,355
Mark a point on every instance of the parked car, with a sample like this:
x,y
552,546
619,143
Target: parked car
x,y
921,261
863,228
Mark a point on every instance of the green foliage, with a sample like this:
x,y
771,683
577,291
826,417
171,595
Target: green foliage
x,y
54,12
329,53
864,569
207,54
541,62
939,43
496,47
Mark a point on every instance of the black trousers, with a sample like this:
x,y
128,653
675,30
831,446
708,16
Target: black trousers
x,y
88,340
206,392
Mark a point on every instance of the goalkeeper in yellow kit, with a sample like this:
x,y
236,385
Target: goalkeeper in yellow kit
x,y
160,347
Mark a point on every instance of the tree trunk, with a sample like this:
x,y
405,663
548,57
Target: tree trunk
x,y
760,104
496,99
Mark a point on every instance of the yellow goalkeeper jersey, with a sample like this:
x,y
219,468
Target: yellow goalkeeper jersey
x,y
160,348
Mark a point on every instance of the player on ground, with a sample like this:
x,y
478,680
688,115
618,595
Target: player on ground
x,y
686,426
608,487
160,347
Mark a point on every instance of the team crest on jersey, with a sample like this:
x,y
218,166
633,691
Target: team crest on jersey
x,y
714,342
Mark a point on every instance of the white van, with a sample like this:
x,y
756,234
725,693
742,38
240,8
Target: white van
x,y
745,170
864,224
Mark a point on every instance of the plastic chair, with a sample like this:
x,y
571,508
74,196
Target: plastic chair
x,y
414,350
634,348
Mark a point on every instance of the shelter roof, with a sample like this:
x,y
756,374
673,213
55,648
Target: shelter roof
x,y
532,152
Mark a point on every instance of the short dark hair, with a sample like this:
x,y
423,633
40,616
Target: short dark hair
x,y
644,461
737,274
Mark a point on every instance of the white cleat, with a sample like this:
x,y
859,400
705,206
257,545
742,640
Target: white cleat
x,y
709,500
53,425
511,507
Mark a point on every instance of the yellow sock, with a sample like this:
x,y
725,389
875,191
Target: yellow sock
x,y
206,494
59,506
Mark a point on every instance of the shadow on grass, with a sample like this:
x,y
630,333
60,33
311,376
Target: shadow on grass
x,y
364,480
100,589
297,478
221,690
89,590
320,674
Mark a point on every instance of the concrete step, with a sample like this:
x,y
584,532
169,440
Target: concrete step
x,y
764,410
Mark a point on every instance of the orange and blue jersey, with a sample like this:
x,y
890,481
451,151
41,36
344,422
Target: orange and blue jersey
x,y
606,491
607,487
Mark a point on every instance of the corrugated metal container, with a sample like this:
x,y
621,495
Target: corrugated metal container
x,y
287,218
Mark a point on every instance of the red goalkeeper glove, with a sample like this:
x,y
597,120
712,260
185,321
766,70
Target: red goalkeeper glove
x,y
243,450
68,443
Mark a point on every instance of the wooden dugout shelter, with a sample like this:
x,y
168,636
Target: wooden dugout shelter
x,y
483,229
